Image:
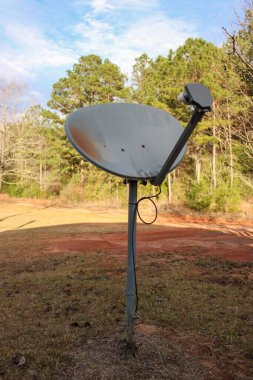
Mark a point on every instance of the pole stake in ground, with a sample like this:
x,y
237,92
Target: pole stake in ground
x,y
131,290
138,143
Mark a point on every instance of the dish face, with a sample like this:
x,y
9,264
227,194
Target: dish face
x,y
131,141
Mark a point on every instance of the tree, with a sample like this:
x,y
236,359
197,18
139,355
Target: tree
x,y
240,42
160,81
33,155
239,49
143,80
10,110
91,81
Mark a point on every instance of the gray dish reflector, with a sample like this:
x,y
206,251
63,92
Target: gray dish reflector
x,y
132,141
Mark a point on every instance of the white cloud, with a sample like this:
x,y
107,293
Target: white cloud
x,y
95,35
118,29
101,6
154,35
31,52
9,69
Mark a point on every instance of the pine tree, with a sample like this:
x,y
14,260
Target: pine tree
x,y
91,81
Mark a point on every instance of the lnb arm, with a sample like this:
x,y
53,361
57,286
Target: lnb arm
x,y
200,98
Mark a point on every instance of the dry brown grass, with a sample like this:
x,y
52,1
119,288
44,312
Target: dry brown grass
x,y
63,312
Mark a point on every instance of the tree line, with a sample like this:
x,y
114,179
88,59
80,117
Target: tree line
x,y
36,160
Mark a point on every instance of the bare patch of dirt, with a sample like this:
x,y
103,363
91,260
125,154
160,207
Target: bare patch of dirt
x,y
190,233
235,245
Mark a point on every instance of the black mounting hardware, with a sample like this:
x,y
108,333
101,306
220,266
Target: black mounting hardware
x,y
198,96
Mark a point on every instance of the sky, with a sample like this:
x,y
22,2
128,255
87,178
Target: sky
x,y
41,39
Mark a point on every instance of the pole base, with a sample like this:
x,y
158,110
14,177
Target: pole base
x,y
127,349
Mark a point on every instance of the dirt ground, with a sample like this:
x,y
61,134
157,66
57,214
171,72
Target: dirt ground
x,y
202,235
62,277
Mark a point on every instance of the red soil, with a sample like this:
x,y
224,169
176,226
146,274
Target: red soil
x,y
235,244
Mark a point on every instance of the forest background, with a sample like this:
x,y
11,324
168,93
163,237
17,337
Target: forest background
x,y
36,160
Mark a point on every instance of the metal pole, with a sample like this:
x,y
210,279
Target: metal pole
x,y
195,118
131,275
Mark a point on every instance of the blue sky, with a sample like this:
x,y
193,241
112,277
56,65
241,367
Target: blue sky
x,y
41,39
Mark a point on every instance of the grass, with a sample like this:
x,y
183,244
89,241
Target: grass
x,y
65,312
206,295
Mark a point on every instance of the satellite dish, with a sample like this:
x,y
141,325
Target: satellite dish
x,y
129,140
135,142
